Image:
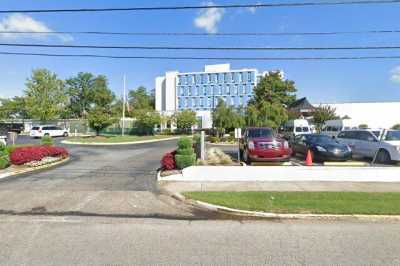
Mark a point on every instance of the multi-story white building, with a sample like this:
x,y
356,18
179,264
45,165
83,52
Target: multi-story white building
x,y
200,91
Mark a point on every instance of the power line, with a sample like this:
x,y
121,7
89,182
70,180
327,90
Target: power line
x,y
205,58
199,47
204,33
161,8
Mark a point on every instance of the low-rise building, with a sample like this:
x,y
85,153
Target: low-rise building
x,y
201,91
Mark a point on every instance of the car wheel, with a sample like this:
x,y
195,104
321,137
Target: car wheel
x,y
46,135
383,157
65,134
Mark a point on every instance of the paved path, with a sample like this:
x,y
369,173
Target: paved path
x,y
107,181
98,241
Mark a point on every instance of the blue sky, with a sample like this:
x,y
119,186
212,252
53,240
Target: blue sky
x,y
320,81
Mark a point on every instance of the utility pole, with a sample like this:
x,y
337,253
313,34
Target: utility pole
x,y
123,107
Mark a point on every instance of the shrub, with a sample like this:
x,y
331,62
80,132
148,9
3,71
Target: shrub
x,y
166,131
213,139
24,155
218,157
168,161
363,126
185,143
47,140
185,154
396,127
183,161
4,162
185,151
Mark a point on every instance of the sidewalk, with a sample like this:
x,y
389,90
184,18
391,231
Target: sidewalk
x,y
177,187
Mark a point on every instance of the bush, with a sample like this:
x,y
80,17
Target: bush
x,y
213,139
185,151
185,143
168,161
24,155
183,161
47,140
166,131
4,162
396,127
216,156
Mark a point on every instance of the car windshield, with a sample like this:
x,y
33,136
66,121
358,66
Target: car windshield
x,y
35,128
321,139
260,133
393,135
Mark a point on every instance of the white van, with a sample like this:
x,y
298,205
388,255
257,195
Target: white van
x,y
296,127
48,130
334,127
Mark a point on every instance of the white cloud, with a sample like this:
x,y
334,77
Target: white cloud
x,y
395,74
209,18
20,22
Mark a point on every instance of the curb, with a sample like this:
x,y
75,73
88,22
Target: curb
x,y
117,143
221,144
34,169
286,216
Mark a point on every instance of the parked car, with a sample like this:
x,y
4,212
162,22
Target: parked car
x,y
384,144
322,147
262,144
296,127
48,130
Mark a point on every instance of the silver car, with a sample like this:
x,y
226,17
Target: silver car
x,y
384,144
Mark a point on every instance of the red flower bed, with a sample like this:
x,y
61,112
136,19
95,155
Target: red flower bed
x,y
35,153
168,161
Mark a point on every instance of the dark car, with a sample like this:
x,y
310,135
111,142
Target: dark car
x,y
322,147
260,144
12,127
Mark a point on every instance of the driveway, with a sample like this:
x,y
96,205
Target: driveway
x,y
109,180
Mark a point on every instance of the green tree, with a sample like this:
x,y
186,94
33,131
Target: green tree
x,y
14,108
226,118
79,90
272,88
396,127
140,99
100,118
184,120
323,114
271,95
146,120
363,126
45,95
101,95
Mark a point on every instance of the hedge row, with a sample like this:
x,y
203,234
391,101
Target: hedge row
x,y
24,155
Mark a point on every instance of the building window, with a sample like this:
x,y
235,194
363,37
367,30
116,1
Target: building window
x,y
197,90
226,77
249,77
209,91
235,89
220,78
241,100
248,89
240,77
204,79
189,91
227,89
220,89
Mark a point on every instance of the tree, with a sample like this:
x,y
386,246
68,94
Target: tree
x,y
271,96
396,127
184,120
272,88
101,95
323,114
79,90
45,95
363,126
100,118
139,99
225,118
266,115
14,108
146,120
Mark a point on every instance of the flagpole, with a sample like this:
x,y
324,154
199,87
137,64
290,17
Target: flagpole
x,y
123,107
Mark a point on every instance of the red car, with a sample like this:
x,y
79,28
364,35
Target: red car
x,y
260,144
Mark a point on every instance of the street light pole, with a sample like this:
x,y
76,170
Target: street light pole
x,y
123,107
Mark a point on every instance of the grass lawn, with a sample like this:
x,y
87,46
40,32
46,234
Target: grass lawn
x,y
117,139
305,202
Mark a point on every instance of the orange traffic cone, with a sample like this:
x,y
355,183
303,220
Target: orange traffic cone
x,y
309,159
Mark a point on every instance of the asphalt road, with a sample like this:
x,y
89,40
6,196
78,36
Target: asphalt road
x,y
111,181
163,242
